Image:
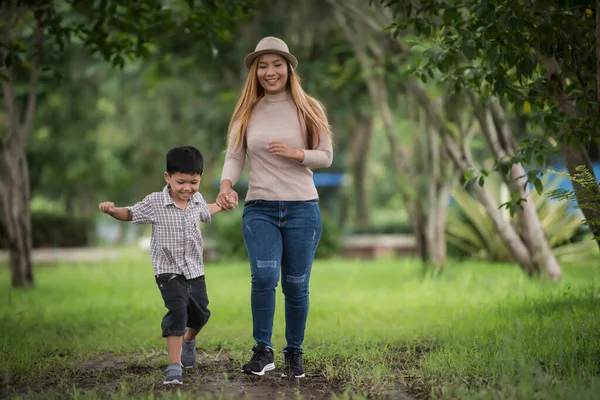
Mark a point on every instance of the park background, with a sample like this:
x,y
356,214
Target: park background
x,y
433,279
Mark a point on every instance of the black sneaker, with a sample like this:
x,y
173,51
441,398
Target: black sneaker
x,y
261,361
293,363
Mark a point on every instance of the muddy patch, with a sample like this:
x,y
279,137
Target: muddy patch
x,y
215,375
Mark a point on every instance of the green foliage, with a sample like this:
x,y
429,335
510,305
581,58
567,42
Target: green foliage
x,y
225,234
478,331
54,230
539,56
471,232
102,133
122,31
589,197
500,47
114,127
331,238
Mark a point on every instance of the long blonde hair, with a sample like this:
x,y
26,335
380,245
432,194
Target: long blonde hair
x,y
310,110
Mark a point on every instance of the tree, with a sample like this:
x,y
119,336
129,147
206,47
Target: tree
x,y
534,54
35,33
426,166
423,182
529,247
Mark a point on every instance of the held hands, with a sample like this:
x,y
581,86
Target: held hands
x,y
278,148
107,207
227,199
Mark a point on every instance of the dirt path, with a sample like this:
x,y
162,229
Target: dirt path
x,y
215,376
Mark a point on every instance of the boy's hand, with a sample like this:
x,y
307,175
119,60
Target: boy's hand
x,y
227,199
107,207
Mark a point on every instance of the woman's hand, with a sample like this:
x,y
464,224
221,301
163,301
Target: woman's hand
x,y
278,148
227,198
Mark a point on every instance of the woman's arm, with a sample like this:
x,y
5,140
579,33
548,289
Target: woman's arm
x,y
233,165
321,157
235,159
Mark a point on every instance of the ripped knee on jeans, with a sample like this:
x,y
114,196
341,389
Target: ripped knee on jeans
x,y
295,286
295,279
266,274
266,264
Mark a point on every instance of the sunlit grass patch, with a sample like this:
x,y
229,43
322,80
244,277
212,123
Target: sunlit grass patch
x,y
478,330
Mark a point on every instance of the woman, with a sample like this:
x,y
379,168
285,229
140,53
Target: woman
x,y
284,133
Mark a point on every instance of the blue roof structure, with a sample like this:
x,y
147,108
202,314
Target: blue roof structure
x,y
321,179
328,179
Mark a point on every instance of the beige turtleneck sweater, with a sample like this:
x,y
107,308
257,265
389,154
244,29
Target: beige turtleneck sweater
x,y
272,177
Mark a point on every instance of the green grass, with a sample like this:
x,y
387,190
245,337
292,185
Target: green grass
x,y
477,331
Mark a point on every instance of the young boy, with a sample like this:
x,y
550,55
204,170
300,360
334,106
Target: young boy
x,y
176,252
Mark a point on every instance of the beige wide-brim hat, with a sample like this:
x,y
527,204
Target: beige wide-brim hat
x,y
269,45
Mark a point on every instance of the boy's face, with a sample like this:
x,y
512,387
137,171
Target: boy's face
x,y
183,186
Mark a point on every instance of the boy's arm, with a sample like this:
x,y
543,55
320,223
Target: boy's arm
x,y
120,213
213,208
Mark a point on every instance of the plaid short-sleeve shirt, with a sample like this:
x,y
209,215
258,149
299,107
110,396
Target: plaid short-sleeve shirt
x,y
176,243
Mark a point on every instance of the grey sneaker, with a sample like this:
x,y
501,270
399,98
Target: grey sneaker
x,y
174,375
188,353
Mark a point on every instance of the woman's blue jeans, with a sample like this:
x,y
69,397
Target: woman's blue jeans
x,y
281,239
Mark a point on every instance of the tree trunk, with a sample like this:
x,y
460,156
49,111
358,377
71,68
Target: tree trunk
x,y
361,41
427,222
357,195
344,208
418,223
436,226
16,212
14,175
358,167
462,159
531,227
438,194
496,130
598,54
576,155
463,162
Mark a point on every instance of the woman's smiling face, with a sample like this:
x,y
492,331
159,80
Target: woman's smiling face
x,y
272,73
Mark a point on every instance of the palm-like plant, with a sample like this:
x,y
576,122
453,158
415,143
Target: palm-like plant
x,y
472,234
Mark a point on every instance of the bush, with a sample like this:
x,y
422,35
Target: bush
x,y
225,232
383,229
471,233
54,230
330,238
